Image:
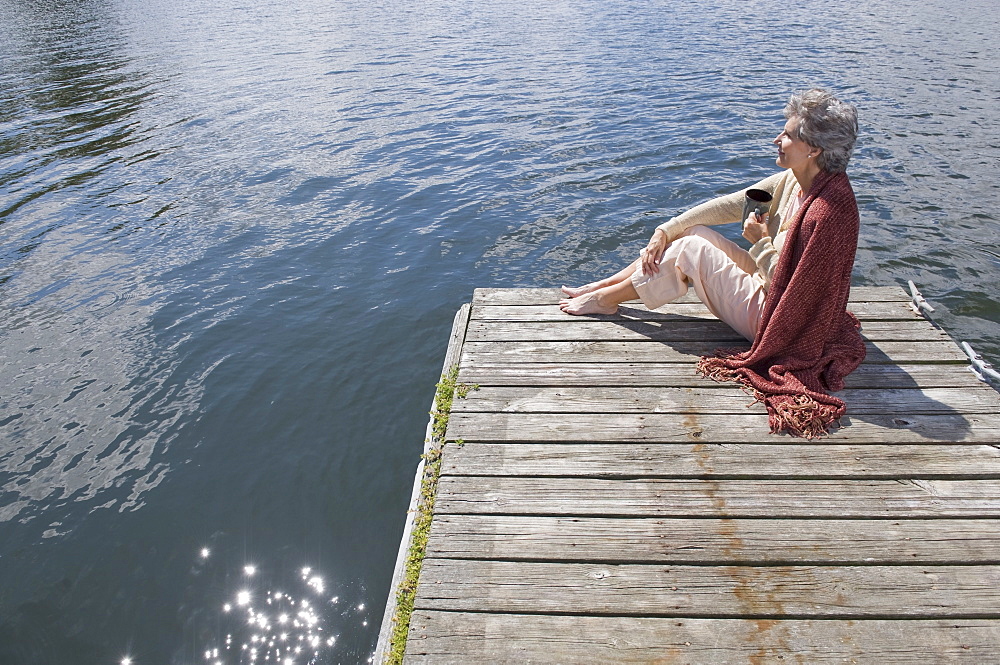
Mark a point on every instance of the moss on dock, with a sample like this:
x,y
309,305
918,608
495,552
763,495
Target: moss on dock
x,y
447,389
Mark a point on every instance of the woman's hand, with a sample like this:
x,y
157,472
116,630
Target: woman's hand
x,y
651,254
755,228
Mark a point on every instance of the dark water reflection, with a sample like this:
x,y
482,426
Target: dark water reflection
x,y
232,238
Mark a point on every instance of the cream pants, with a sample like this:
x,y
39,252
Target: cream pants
x,y
720,271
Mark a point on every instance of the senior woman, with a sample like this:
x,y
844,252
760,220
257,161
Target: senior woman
x,y
788,293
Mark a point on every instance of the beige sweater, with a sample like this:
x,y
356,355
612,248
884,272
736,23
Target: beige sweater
x,y
727,209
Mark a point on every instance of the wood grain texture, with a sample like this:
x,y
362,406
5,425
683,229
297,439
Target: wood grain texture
x,y
724,398
761,592
637,351
713,460
463,638
700,338
712,541
498,369
695,428
654,497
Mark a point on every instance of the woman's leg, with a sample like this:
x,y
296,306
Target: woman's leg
x,y
719,270
737,254
622,275
604,300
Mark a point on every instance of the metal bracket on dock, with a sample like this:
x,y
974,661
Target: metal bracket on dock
x,y
918,304
980,367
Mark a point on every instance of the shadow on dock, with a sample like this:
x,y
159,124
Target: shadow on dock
x,y
909,388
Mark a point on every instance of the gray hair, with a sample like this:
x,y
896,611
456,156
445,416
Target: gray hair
x,y
827,123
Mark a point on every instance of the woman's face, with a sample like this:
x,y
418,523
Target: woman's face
x,y
793,152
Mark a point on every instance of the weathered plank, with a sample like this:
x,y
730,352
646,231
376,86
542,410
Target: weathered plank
x,y
712,400
460,638
708,460
587,330
535,296
655,497
865,311
697,428
702,338
934,350
761,592
499,370
693,330
659,352
916,330
711,541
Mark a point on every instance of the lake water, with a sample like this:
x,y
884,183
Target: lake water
x,y
233,236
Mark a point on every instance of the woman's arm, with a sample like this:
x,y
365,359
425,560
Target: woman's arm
x,y
721,210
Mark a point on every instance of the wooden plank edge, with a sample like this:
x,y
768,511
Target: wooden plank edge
x,y
465,638
690,428
713,400
752,461
727,592
717,541
452,354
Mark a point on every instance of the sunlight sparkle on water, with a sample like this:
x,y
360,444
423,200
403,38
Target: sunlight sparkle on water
x,y
279,626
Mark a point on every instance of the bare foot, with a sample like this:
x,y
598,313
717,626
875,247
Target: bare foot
x,y
576,292
588,303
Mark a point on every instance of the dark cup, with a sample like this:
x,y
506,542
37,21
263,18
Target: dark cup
x,y
758,201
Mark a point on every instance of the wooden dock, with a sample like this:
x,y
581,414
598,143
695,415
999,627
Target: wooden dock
x,y
606,504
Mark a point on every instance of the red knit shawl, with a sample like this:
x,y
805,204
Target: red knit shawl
x,y
807,341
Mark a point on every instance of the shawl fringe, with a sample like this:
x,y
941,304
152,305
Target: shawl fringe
x,y
799,414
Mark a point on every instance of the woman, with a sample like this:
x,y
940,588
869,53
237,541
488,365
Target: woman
x,y
788,293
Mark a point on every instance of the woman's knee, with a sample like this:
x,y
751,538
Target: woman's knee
x,y
696,254
699,231
692,245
